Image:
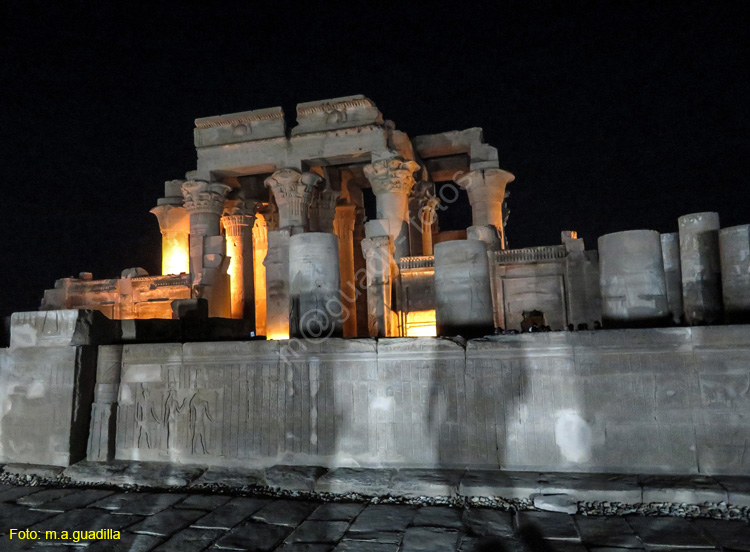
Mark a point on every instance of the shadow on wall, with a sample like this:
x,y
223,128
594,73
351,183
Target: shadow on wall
x,y
511,407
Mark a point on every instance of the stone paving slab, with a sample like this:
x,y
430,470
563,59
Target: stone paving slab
x,y
257,537
486,522
167,522
416,482
554,526
691,489
606,531
232,477
190,540
129,542
294,478
497,483
14,493
205,502
43,497
356,480
361,546
232,513
304,547
48,472
593,487
667,531
738,488
333,511
285,512
71,501
383,517
318,532
429,539
149,503
734,535
14,516
438,516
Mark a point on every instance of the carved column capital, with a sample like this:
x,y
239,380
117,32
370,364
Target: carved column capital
x,y
172,218
204,197
323,210
238,213
293,192
393,175
486,189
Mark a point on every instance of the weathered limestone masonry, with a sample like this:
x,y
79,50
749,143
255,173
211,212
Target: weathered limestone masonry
x,y
618,401
47,387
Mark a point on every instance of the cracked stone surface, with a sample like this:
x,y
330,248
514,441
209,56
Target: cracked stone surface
x,y
198,521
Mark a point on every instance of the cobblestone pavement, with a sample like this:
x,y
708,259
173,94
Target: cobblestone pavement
x,y
185,522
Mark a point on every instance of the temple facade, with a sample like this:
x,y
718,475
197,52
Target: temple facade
x,y
270,228
261,192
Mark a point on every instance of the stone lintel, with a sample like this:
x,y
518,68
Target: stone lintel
x,y
245,126
447,143
336,113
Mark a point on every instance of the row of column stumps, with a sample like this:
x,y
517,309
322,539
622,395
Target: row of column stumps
x,y
699,275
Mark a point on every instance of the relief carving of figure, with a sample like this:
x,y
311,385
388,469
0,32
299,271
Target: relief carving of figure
x,y
200,418
172,408
143,408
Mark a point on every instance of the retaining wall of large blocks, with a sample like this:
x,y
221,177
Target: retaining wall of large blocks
x,y
659,400
670,400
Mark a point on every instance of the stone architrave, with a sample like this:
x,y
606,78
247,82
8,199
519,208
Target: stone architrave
x,y
392,179
486,189
204,202
343,226
381,319
260,249
293,192
101,445
237,221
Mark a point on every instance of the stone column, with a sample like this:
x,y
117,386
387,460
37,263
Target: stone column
x,y
174,224
277,284
631,279
463,302
428,218
204,203
734,244
381,319
293,192
486,189
260,249
343,226
391,179
670,254
314,286
701,268
323,210
237,221
102,432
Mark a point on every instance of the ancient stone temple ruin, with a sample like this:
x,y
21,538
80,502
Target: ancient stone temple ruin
x,y
289,327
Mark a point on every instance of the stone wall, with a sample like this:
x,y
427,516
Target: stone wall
x,y
671,400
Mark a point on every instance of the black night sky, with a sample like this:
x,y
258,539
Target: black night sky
x,y
612,116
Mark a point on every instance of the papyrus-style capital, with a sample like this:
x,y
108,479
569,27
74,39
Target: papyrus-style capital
x,y
293,192
394,175
204,197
